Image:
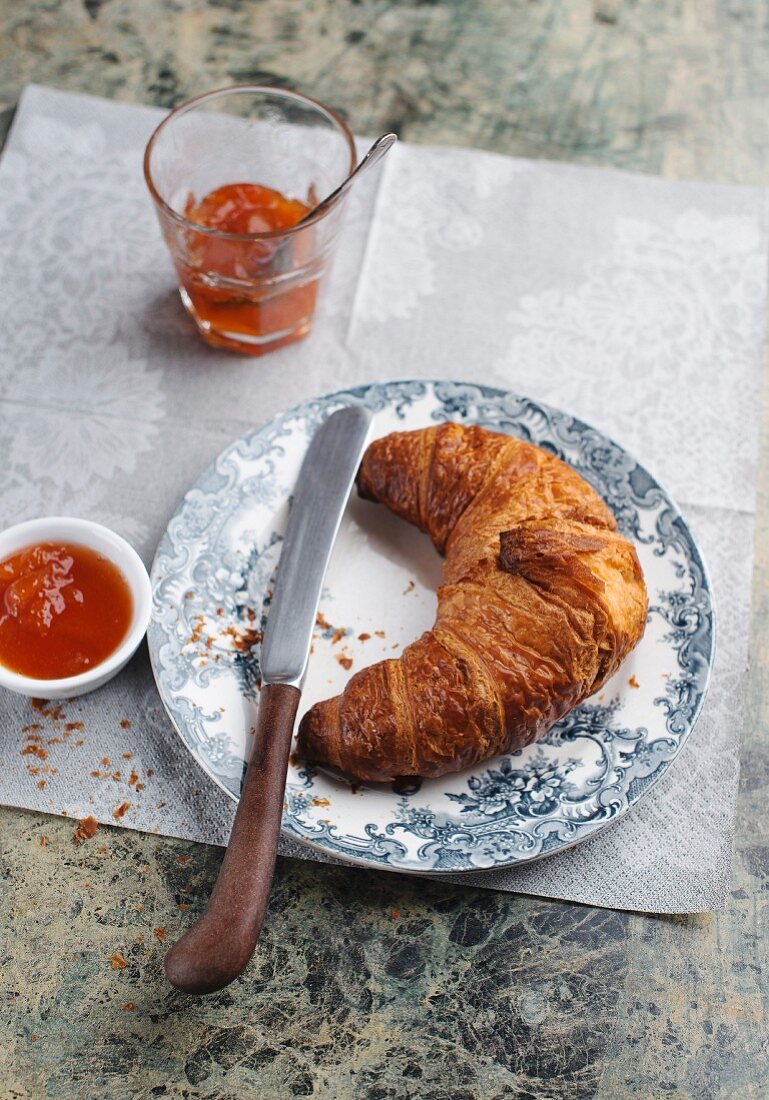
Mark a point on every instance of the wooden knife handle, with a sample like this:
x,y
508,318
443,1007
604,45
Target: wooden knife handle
x,y
219,946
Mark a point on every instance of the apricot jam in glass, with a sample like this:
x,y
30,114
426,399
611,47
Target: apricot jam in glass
x,y
64,608
233,174
227,318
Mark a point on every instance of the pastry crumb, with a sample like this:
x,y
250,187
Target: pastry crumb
x,y
85,830
35,750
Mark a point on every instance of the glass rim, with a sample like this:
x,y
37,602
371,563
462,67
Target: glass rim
x,y
191,104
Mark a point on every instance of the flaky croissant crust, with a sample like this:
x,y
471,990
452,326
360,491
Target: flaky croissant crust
x,y
541,601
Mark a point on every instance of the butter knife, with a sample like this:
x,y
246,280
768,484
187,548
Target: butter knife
x,y
218,947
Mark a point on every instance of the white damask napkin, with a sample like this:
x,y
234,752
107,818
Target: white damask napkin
x,y
632,302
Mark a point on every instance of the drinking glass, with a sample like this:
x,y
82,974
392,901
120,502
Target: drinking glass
x,y
249,291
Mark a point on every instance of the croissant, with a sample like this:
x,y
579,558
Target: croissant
x,y
541,601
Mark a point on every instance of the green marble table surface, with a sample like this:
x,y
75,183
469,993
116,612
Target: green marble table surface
x,y
370,986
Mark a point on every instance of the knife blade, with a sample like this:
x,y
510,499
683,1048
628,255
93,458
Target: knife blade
x,y
218,947
324,484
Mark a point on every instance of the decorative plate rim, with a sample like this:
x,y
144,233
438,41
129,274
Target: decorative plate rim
x,y
359,392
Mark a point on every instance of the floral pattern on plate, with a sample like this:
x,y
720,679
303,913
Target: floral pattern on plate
x,y
212,580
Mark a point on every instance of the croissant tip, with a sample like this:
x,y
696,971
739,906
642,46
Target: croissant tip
x,y
509,551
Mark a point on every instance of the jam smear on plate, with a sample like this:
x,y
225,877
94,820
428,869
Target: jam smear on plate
x,y
64,608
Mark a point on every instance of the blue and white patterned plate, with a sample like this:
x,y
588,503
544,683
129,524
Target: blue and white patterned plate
x,y
212,576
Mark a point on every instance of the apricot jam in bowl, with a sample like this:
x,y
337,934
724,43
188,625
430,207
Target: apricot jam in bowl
x,y
75,602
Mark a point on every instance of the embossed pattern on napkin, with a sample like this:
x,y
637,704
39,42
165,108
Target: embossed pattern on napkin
x,y
635,303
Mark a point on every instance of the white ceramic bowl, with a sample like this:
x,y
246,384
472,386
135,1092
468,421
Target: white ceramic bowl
x,y
83,533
